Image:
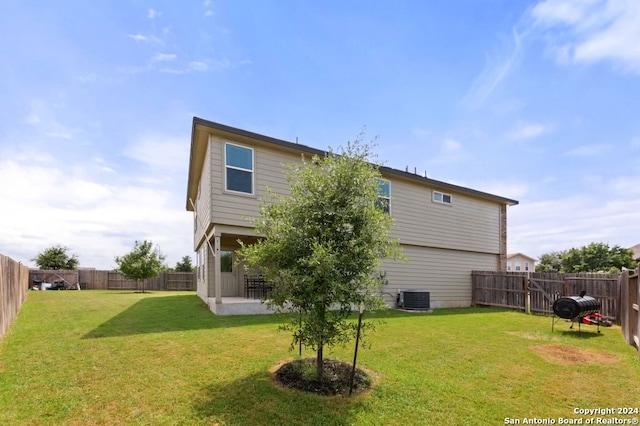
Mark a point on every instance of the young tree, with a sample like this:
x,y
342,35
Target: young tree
x,y
184,265
56,257
323,244
550,262
141,263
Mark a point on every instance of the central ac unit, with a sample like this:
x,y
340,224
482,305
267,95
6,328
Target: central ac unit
x,y
414,299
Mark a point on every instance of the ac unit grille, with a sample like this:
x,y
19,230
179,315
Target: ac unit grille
x,y
415,299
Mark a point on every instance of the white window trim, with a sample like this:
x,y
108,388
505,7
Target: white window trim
x,y
253,173
442,195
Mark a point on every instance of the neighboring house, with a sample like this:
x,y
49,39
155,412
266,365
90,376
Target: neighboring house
x,y
518,262
636,252
445,230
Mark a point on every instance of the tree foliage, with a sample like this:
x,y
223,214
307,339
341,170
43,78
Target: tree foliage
x,y
595,257
141,263
184,265
323,244
56,257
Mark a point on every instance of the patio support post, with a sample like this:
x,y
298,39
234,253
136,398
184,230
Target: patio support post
x,y
217,276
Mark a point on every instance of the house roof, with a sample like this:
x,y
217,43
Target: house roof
x,y
202,128
636,252
510,255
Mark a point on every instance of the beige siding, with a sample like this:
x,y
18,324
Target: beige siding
x,y
203,201
234,209
469,223
443,243
446,274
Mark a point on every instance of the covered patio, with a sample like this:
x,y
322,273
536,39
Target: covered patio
x,y
225,285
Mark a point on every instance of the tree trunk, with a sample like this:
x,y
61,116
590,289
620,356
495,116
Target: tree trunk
x,y
319,362
319,354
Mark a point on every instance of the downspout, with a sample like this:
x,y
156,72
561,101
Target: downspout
x,y
502,256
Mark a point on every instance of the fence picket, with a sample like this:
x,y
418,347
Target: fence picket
x,y
92,279
537,291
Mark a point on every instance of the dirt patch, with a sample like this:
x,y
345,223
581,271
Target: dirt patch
x,y
300,374
531,336
569,355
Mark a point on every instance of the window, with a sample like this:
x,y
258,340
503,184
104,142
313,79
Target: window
x,y
201,254
238,162
526,266
440,197
384,195
517,266
508,266
226,261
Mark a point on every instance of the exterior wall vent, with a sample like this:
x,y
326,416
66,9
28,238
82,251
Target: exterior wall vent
x,y
414,300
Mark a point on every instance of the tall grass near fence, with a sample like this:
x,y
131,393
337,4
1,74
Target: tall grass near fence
x,y
124,358
14,281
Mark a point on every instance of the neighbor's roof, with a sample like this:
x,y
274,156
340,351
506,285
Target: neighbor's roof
x,y
202,128
510,255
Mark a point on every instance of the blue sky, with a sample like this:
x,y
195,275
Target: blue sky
x,y
531,100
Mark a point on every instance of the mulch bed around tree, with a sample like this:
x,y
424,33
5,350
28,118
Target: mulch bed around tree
x,y
300,374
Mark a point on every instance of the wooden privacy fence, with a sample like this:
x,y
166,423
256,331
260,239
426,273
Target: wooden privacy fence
x,y
536,291
93,279
14,281
629,308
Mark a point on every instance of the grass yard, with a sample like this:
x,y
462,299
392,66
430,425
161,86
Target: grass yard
x,y
97,357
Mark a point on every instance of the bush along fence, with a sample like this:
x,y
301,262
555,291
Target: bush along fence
x,y
14,281
535,292
93,279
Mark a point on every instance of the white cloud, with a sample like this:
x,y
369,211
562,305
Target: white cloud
x,y
527,131
588,150
194,66
97,215
497,69
152,14
163,57
161,152
451,145
197,66
207,5
141,38
557,224
138,37
598,30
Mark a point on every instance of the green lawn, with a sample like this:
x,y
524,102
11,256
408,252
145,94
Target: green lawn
x,y
97,357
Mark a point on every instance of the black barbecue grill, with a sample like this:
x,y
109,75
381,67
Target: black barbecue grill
x,y
575,308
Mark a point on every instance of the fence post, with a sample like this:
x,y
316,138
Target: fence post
x,y
473,288
525,287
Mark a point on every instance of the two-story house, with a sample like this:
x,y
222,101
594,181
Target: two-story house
x,y
445,230
518,262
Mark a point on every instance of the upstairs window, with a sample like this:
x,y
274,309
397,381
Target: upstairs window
x,y
441,197
238,162
384,195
